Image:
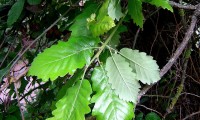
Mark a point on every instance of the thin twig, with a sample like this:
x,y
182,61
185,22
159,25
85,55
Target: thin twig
x,y
34,41
2,43
178,51
135,38
185,93
5,57
150,109
181,86
188,7
183,44
96,56
29,92
195,113
161,96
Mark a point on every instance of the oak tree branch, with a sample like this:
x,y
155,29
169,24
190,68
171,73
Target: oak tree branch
x,y
178,51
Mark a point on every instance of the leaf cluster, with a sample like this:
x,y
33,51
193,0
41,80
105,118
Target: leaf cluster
x,y
87,85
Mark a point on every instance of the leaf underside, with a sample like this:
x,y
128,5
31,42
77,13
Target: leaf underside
x,y
114,10
146,69
108,106
122,78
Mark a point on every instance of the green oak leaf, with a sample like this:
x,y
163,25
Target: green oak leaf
x,y
76,76
103,11
102,23
146,69
101,26
108,106
161,3
135,10
74,105
66,57
122,78
114,10
15,12
63,58
79,28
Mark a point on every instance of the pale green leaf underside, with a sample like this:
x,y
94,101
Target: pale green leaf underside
x,y
162,3
135,10
74,105
114,9
108,106
15,12
122,78
146,69
63,58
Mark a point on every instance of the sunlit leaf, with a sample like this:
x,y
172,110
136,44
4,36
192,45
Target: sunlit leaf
x,y
103,11
63,58
102,23
101,26
108,106
66,57
74,105
122,78
146,69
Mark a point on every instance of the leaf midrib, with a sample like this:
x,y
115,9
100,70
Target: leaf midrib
x,y
66,56
71,110
136,62
120,73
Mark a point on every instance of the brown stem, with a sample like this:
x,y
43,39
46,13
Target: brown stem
x,y
34,41
195,113
178,51
177,5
